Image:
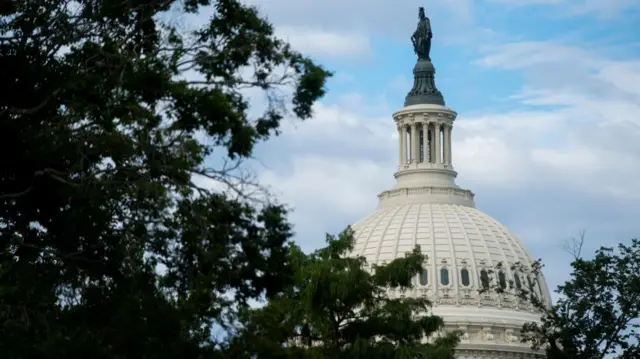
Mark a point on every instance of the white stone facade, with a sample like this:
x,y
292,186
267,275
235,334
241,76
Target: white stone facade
x,y
462,244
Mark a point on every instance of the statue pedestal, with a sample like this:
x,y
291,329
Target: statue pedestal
x,y
424,89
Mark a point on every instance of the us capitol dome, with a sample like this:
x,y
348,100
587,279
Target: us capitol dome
x,y
463,245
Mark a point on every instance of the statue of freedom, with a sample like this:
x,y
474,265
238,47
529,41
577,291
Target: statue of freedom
x,y
421,38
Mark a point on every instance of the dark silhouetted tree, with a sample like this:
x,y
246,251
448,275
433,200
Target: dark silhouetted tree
x,y
338,308
597,313
109,246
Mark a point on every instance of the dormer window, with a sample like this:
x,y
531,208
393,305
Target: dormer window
x,y
484,279
502,279
444,276
464,277
516,279
424,277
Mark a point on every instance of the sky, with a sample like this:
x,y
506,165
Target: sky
x,y
548,100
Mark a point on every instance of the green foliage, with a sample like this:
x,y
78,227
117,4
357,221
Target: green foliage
x,y
102,116
597,314
339,309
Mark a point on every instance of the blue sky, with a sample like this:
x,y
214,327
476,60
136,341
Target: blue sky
x,y
548,100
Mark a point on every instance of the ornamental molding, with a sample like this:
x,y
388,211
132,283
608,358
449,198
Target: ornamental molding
x,y
437,114
464,297
426,193
407,121
494,354
497,339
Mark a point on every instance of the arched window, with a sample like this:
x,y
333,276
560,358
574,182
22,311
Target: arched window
x,y
484,279
502,279
534,285
464,276
424,277
516,279
444,276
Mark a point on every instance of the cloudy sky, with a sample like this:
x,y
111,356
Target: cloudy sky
x,y
548,97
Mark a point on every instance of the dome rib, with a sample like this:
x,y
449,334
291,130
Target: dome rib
x,y
452,250
404,218
386,228
471,237
514,253
433,259
372,227
474,270
507,266
484,243
455,233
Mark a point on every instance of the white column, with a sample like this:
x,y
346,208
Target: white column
x,y
432,143
414,143
425,142
445,145
401,138
449,151
404,144
437,141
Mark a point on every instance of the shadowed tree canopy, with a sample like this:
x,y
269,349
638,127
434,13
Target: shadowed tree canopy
x,y
108,248
338,308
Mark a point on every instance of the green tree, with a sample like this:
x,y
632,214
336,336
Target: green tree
x,y
108,248
338,308
597,313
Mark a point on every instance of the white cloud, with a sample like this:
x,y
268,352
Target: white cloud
x,y
325,44
596,105
565,159
623,75
576,135
309,37
349,125
601,8
519,55
340,186
327,193
374,17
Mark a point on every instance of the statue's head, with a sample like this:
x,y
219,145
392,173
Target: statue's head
x,y
421,13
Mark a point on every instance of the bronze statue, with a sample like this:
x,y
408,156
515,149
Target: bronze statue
x,y
421,38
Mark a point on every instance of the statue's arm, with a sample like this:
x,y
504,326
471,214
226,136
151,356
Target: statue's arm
x,y
428,23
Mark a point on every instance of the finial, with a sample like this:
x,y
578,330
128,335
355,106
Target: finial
x,y
424,89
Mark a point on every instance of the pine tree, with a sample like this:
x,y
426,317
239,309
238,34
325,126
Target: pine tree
x,y
338,307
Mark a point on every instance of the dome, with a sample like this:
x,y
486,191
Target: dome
x,y
463,245
452,236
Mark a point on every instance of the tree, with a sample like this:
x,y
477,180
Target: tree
x,y
597,313
337,308
108,246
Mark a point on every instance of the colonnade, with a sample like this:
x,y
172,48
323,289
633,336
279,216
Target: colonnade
x,y
425,142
